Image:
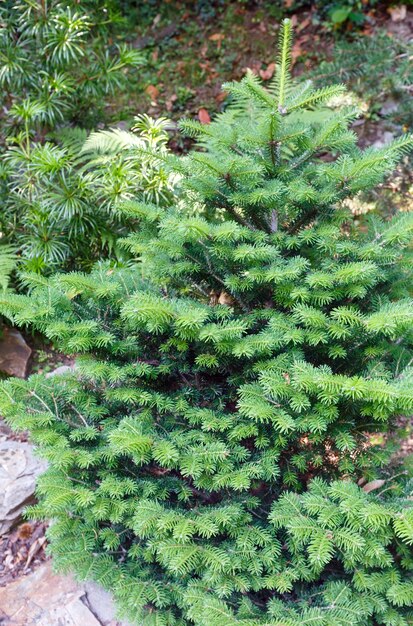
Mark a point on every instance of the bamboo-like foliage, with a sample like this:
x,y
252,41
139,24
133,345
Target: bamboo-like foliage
x,y
56,67
58,196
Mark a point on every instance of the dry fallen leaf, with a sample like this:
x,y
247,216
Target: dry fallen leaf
x,y
296,52
221,96
34,549
218,37
152,92
268,73
373,484
398,14
303,24
170,102
226,298
203,116
297,49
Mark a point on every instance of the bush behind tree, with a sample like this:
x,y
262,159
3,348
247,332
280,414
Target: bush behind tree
x,y
60,195
59,65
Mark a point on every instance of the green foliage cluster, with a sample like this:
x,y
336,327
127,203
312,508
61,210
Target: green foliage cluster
x,y
7,264
336,12
59,195
57,62
350,11
57,67
203,457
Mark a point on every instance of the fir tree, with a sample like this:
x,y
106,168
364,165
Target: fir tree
x,y
203,457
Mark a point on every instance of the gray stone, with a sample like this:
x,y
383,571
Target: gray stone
x,y
386,138
61,371
101,604
14,353
44,598
19,469
389,106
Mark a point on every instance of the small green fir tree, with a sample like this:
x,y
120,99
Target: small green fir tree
x,y
203,458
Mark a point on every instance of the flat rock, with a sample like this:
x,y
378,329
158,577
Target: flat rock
x,y
44,598
101,604
14,353
384,139
61,371
19,469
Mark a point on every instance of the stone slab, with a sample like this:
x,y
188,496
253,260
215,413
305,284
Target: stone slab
x,y
14,353
19,469
44,598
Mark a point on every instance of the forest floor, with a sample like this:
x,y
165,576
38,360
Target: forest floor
x,y
190,55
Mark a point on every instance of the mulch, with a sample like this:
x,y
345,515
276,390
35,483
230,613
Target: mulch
x,y
22,551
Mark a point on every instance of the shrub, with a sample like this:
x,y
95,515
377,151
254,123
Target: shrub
x,y
58,66
57,63
60,194
236,383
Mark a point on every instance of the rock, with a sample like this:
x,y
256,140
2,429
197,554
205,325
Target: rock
x,y
44,599
19,469
389,106
122,125
14,353
398,14
101,604
385,138
61,370
47,599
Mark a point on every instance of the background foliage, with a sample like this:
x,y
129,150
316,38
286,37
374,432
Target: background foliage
x,y
58,63
63,194
57,68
